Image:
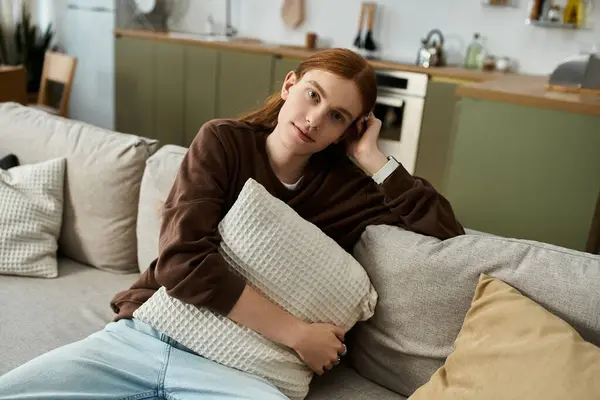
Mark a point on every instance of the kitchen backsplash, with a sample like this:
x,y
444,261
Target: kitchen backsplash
x,y
401,24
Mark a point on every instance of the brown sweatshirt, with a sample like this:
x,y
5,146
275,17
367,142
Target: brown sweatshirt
x,y
334,194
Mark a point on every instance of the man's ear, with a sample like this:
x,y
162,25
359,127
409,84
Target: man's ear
x,y
290,80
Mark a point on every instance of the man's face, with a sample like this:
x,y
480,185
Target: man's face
x,y
318,110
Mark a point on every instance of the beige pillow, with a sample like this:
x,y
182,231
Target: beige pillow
x,y
159,176
512,348
102,181
295,265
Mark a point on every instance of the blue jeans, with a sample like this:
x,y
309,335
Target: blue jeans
x,y
129,360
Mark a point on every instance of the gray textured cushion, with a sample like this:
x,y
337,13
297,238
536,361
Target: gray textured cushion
x,y
426,286
344,383
104,170
40,315
159,175
295,265
31,207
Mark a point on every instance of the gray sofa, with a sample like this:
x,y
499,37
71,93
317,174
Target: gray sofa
x,y
115,186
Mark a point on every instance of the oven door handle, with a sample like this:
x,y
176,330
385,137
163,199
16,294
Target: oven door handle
x,y
390,101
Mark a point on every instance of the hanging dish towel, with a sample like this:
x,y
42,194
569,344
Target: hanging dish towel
x,y
292,12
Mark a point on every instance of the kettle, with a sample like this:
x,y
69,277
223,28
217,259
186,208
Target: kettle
x,y
431,53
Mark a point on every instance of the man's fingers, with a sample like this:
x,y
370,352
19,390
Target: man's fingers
x,y
339,332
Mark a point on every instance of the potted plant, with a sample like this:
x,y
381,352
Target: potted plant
x,y
31,46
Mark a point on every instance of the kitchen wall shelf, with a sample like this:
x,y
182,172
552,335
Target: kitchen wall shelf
x,y
500,3
551,24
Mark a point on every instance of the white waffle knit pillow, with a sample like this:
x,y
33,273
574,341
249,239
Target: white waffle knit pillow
x,y
294,264
31,209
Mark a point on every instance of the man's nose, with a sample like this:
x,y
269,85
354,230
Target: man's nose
x,y
315,118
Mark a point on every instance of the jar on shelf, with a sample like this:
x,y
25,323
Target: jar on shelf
x,y
535,13
475,53
575,12
555,13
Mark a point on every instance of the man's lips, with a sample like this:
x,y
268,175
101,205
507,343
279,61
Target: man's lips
x,y
305,136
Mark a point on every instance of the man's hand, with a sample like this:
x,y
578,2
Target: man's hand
x,y
319,346
365,151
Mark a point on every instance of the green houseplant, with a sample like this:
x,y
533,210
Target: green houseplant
x,y
28,47
31,46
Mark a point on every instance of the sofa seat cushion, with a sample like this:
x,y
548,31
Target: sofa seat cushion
x,y
39,315
425,288
102,182
51,318
344,383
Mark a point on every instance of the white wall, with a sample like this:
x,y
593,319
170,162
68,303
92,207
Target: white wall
x,y
401,24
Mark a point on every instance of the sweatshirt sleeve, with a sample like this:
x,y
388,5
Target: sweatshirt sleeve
x,y
189,265
418,206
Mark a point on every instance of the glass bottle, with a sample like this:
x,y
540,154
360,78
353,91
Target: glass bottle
x,y
475,53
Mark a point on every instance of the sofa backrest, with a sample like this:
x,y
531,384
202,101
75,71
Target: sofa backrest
x,y
159,175
102,182
426,286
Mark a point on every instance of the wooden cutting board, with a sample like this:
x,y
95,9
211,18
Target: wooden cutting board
x,y
292,13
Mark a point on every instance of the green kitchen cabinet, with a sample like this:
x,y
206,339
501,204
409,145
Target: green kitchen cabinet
x,y
149,83
244,82
283,65
525,172
200,91
169,83
434,150
134,86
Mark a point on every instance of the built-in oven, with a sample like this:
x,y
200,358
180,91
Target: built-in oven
x,y
400,103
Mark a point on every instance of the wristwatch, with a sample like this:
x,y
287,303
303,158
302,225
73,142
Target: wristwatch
x,y
380,176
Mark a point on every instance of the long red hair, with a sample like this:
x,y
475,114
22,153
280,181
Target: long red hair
x,y
342,62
